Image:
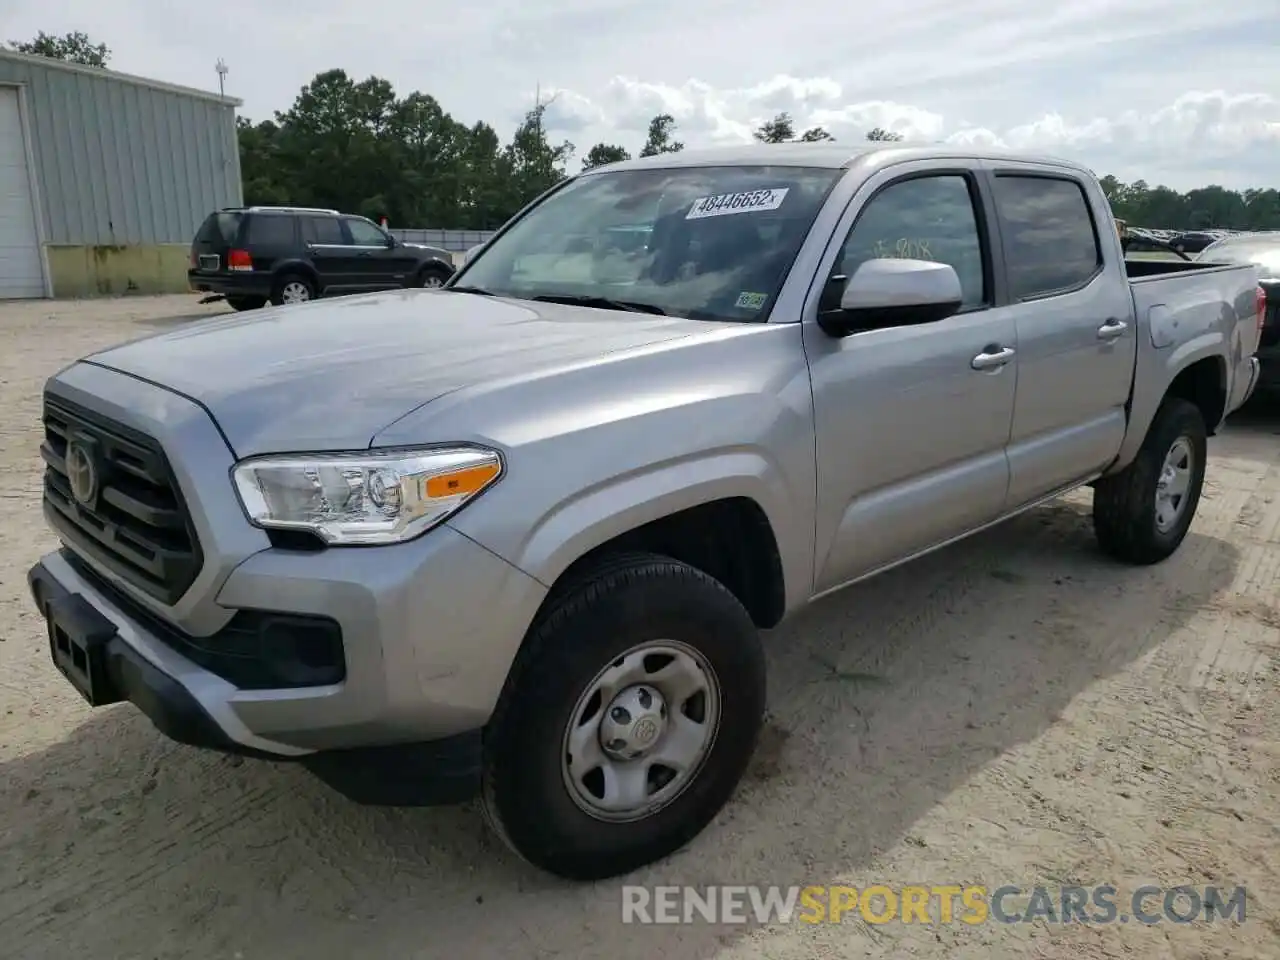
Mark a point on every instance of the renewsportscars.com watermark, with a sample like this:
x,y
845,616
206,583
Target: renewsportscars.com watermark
x,y
941,904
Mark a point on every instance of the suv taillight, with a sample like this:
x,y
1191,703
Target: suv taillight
x,y
1261,304
239,260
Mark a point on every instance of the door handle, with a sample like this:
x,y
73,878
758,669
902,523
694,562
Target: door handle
x,y
1112,329
365,253
992,359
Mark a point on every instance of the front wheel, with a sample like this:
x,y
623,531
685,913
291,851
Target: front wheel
x,y
629,719
432,277
1142,514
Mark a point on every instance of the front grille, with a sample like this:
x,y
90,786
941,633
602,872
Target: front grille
x,y
124,511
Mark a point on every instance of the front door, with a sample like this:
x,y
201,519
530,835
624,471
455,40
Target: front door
x,y
1076,337
374,259
911,425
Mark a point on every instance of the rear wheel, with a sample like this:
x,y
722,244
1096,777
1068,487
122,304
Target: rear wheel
x,y
629,719
245,303
1142,514
293,288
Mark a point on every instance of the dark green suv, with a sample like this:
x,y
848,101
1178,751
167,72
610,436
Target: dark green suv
x,y
251,255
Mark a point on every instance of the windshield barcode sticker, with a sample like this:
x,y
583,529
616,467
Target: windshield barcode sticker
x,y
750,201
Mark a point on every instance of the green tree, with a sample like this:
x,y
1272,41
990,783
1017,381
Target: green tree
x,y
358,147
74,47
661,129
816,135
883,135
603,153
778,130
536,165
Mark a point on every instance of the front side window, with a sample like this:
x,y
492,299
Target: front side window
x,y
710,243
365,234
1050,245
923,218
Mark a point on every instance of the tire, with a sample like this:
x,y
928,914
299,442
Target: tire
x,y
608,620
432,275
1132,520
293,288
246,303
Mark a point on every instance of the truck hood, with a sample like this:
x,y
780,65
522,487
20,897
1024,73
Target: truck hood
x,y
331,374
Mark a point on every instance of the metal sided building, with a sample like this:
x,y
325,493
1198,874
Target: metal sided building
x,y
105,178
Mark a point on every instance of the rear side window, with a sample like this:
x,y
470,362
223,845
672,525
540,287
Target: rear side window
x,y
219,229
1050,242
323,230
270,230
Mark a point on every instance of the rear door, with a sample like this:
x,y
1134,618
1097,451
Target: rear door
x,y
1076,339
327,250
215,237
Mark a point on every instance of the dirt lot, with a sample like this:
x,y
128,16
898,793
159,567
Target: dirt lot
x,y
1015,710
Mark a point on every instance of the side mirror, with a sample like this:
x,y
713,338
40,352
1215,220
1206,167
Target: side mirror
x,y
893,293
392,242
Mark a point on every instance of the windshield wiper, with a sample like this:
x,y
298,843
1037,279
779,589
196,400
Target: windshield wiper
x,y
605,303
477,290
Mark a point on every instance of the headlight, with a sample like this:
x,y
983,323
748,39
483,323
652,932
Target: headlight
x,y
364,498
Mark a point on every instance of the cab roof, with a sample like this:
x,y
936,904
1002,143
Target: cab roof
x,y
832,156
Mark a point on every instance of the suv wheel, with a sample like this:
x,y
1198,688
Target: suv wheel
x,y
293,288
1142,513
628,720
432,276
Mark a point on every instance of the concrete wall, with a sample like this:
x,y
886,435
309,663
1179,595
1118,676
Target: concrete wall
x,y
103,271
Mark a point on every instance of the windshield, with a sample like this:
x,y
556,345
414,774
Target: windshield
x,y
710,243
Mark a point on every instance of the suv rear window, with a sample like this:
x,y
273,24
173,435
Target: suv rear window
x,y
269,229
219,229
322,230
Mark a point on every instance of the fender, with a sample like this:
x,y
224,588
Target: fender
x,y
1163,367
592,517
296,265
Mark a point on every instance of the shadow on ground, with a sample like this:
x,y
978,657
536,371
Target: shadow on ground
x,y
884,700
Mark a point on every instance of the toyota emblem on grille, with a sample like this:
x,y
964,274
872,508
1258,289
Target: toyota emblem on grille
x,y
82,474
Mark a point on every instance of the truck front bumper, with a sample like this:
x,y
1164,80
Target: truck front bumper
x,y
423,663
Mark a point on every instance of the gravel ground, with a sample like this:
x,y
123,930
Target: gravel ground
x,y
1013,710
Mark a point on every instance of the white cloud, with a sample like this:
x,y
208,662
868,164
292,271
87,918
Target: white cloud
x,y
1212,126
1179,91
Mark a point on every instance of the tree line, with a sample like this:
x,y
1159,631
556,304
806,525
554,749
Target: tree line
x,y
359,147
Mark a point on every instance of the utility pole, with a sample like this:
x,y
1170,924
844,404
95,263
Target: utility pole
x,y
223,70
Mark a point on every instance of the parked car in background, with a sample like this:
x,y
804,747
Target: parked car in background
x,y
252,255
1193,241
1263,251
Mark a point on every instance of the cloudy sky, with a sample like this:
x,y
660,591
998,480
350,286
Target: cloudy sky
x,y
1177,91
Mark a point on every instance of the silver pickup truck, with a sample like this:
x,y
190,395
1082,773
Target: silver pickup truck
x,y
516,538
